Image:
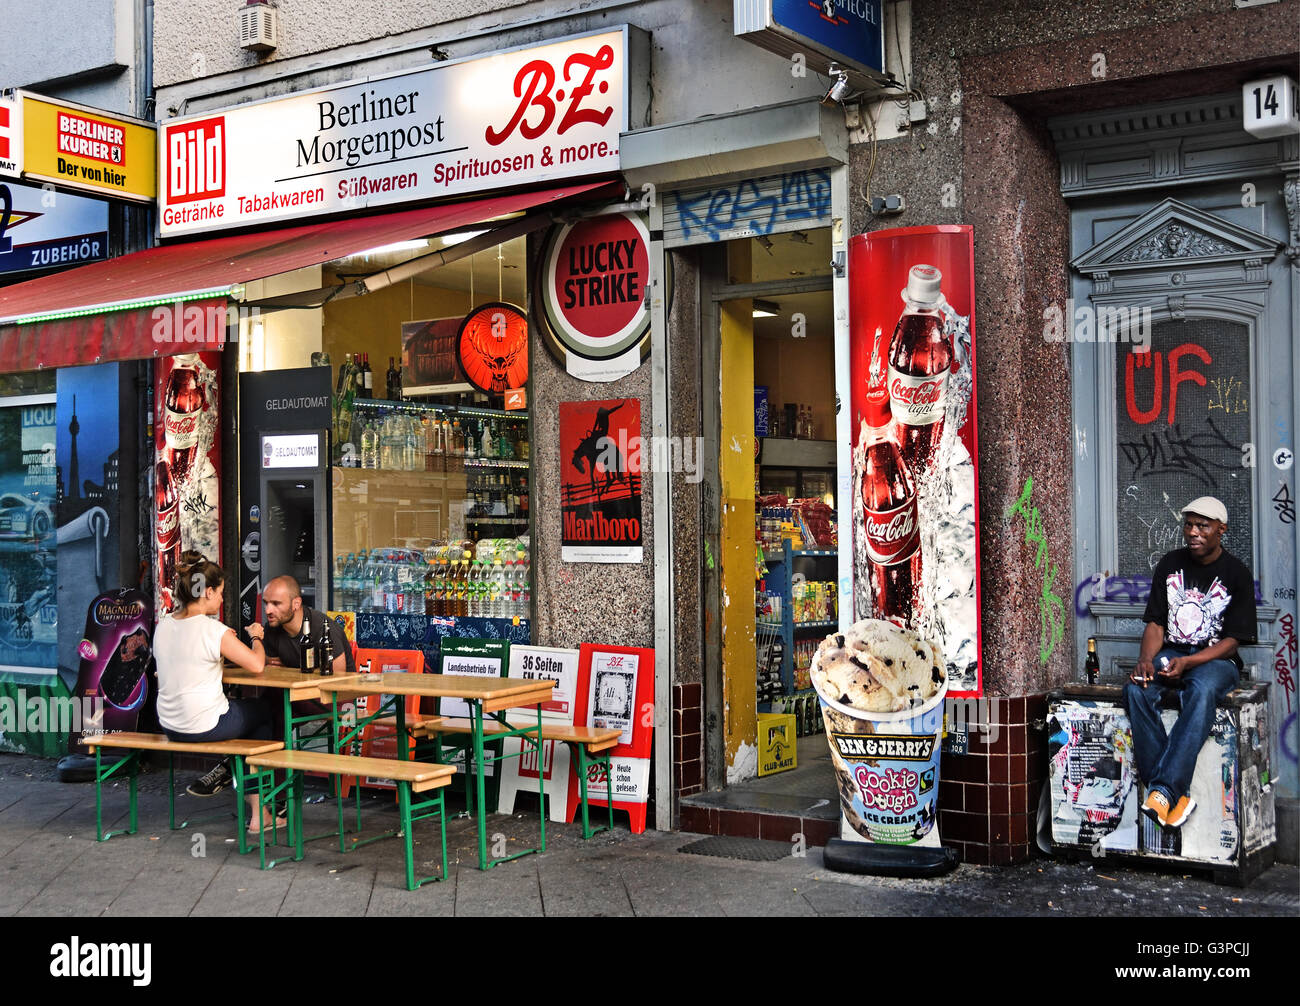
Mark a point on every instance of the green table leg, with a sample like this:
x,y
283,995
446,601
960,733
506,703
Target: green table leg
x,y
483,862
404,805
541,781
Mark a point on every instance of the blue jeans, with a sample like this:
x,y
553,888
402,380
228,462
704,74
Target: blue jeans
x,y
249,719
1167,762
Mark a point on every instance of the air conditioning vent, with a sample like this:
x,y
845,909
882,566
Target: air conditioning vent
x,y
259,26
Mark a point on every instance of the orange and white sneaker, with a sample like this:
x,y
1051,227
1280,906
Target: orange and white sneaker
x,y
1156,807
1181,812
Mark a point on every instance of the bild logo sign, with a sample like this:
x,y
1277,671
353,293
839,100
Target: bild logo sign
x,y
196,160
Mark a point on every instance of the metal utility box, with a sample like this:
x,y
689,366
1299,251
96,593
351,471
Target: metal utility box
x,y
1095,791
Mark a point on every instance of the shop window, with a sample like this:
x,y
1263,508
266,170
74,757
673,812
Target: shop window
x,y
430,444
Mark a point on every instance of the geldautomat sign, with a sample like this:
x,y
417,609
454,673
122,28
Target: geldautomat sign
x,y
849,32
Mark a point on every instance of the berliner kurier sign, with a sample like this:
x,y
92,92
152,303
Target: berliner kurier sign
x,y
512,118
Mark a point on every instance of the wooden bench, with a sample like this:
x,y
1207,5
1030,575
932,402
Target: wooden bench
x,y
410,777
585,741
133,743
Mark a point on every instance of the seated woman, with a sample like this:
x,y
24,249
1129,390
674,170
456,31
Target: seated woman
x,y
190,646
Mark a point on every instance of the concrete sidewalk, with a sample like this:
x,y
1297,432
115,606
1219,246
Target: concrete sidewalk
x,y
52,865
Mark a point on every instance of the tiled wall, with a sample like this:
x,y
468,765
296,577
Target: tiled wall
x,y
988,798
688,740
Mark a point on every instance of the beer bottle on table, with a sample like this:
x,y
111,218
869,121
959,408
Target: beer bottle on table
x,y
327,651
1091,666
309,654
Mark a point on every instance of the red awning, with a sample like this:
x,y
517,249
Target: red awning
x,y
105,311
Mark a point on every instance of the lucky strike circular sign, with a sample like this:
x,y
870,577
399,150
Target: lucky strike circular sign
x,y
592,285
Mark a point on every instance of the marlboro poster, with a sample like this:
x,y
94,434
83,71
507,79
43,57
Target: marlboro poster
x,y
600,461
915,505
187,470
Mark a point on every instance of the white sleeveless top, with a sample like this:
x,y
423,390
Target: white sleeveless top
x,y
188,655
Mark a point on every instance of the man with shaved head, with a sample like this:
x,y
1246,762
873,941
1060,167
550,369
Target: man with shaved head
x,y
292,628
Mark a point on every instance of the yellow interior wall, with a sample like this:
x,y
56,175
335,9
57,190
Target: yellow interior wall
x,y
373,323
736,474
799,370
288,337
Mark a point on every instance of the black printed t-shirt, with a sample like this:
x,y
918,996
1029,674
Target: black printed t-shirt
x,y
288,649
1199,605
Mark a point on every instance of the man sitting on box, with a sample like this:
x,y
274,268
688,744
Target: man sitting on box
x,y
1202,607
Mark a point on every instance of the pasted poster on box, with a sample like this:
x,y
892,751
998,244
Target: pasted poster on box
x,y
1093,787
600,464
187,472
913,421
616,690
520,774
28,570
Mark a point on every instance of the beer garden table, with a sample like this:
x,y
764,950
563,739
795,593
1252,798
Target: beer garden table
x,y
485,696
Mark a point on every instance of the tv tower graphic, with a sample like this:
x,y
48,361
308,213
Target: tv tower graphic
x,y
74,482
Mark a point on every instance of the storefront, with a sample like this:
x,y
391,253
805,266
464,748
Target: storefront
x,y
343,400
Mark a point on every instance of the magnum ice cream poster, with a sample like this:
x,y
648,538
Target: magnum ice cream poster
x,y
600,476
915,482
187,465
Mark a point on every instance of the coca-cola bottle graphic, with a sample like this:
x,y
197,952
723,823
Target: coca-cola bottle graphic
x,y
920,359
183,407
168,527
890,521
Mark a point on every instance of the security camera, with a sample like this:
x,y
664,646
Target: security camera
x,y
839,89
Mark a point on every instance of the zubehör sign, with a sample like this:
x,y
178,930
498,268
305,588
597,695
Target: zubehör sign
x,y
513,118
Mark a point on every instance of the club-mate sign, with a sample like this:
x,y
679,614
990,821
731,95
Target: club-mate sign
x,y
511,118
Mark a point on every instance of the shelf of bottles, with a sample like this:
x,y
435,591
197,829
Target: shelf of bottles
x,y
490,578
787,605
412,436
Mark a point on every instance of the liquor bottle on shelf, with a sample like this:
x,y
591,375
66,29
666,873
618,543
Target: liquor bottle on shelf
x,y
471,440
393,382
367,376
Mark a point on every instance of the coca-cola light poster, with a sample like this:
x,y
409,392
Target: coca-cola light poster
x,y
187,467
915,499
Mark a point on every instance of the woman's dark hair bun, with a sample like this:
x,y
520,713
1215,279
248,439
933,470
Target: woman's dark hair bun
x,y
194,574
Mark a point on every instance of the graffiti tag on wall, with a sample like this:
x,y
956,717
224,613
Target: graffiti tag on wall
x,y
755,206
1051,609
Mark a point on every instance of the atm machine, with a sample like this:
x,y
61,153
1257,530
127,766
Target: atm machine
x,y
294,494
